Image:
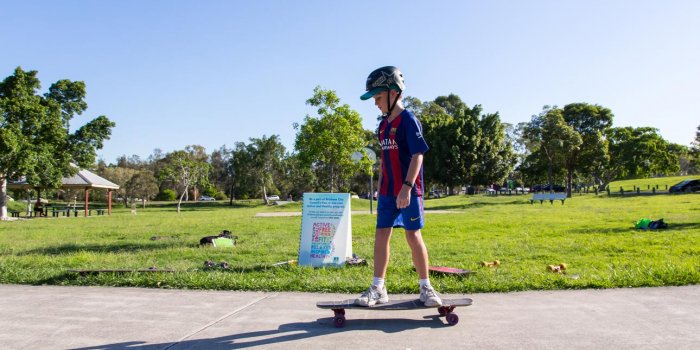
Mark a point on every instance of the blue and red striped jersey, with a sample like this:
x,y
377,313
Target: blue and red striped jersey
x,y
400,140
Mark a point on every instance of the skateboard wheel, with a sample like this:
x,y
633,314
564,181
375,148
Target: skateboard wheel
x,y
339,321
452,319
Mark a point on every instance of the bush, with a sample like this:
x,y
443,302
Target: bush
x,y
166,195
220,195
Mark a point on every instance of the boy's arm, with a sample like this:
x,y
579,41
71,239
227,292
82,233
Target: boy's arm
x,y
404,198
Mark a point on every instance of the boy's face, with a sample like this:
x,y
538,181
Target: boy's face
x,y
380,100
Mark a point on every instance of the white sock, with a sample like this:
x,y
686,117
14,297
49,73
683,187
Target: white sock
x,y
378,282
424,282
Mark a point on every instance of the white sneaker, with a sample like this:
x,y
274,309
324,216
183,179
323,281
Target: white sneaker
x,y
373,295
429,296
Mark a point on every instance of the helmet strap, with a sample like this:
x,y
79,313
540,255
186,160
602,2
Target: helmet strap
x,y
389,104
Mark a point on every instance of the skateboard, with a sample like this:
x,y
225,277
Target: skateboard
x,y
448,270
98,271
447,308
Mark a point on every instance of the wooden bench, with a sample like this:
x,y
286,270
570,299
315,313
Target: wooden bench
x,y
14,213
551,197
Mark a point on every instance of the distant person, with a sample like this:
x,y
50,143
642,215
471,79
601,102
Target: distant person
x,y
401,187
38,208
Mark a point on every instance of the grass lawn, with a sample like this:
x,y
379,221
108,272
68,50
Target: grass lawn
x,y
593,235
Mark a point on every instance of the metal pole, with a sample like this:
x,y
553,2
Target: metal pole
x,y
371,191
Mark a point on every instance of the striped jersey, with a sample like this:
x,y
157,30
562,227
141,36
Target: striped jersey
x,y
400,139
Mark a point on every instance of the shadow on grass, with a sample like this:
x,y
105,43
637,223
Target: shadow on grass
x,y
104,248
632,229
475,205
290,332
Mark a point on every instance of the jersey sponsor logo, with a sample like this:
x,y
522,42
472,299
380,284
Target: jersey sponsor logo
x,y
392,131
419,135
388,144
414,219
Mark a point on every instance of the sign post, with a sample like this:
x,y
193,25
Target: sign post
x,y
326,230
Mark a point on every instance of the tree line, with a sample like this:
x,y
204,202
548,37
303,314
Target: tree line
x,y
574,145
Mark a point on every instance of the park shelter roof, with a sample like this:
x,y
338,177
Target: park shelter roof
x,y
83,179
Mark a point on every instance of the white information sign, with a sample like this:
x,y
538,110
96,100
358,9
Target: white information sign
x,y
326,230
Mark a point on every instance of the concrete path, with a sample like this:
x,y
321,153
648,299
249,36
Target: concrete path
x,y
52,317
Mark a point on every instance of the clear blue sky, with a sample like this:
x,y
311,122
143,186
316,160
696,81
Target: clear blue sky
x,y
175,73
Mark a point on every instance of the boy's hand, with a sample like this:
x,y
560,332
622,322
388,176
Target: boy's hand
x,y
404,197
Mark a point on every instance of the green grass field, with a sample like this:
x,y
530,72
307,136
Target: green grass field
x,y
593,235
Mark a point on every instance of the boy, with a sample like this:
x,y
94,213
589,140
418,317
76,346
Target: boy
x,y
400,202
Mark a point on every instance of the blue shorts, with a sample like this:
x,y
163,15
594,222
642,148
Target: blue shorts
x,y
410,218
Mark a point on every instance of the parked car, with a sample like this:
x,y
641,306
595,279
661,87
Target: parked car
x,y
690,185
273,197
207,198
434,194
547,188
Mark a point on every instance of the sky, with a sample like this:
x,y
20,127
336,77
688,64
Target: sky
x,y
213,73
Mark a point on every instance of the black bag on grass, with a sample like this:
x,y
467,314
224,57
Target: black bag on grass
x,y
209,240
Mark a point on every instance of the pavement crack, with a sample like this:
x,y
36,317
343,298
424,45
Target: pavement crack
x,y
221,319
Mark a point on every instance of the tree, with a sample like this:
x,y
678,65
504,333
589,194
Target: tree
x,y
552,139
326,143
495,156
221,171
266,160
590,123
186,168
35,140
451,129
120,176
694,166
142,185
635,153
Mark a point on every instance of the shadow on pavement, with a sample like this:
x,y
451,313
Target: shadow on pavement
x,y
285,333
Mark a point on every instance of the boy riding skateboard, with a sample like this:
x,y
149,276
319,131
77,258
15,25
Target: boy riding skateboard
x,y
400,200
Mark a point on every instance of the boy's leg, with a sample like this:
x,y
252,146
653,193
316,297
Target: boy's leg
x,y
419,252
382,237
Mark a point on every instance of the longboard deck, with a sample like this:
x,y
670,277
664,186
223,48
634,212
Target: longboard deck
x,y
446,309
400,304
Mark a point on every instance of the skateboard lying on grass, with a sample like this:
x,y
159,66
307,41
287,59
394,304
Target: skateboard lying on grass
x,y
86,272
447,308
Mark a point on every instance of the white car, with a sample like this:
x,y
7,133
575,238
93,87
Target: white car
x,y
274,197
206,198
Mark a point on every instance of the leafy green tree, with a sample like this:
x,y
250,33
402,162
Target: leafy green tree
x,y
495,156
221,176
635,153
326,143
694,166
451,129
553,139
590,122
266,156
35,142
186,168
120,176
142,185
